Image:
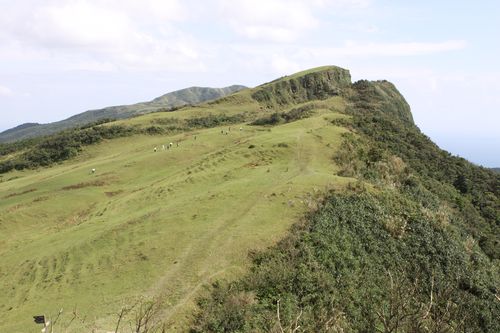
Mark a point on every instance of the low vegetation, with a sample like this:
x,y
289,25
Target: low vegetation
x,y
411,246
167,102
355,220
474,191
156,224
34,153
319,84
60,147
285,117
346,270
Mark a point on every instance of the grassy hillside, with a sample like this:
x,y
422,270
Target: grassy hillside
x,y
192,95
159,223
411,246
355,221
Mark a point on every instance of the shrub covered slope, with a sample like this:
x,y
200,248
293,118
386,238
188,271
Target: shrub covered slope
x,y
388,232
411,246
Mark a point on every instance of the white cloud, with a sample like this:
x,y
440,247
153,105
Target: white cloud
x,y
80,23
283,66
5,91
342,4
289,58
357,49
281,21
94,34
269,20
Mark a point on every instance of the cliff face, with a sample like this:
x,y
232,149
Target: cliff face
x,y
319,83
381,95
324,82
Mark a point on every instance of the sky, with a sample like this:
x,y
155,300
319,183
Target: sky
x,y
59,58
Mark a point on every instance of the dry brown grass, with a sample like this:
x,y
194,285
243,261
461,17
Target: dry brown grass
x,y
85,184
19,193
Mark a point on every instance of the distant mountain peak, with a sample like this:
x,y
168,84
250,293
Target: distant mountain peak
x,y
20,127
191,95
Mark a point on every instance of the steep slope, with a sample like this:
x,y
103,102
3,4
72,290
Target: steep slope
x,y
193,95
315,84
411,246
164,223
388,232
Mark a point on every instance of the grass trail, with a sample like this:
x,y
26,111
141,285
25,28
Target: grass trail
x,y
154,223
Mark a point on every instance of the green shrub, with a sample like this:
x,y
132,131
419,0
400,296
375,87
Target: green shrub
x,y
381,119
214,120
285,117
345,264
154,130
372,260
62,146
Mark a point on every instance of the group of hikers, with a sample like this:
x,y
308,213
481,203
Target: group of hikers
x,y
170,145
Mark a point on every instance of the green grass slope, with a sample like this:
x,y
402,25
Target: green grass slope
x,y
411,246
162,223
192,95
356,221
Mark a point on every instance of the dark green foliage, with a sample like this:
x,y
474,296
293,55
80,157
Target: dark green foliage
x,y
372,261
171,125
7,166
385,127
97,122
299,89
60,147
11,147
274,119
214,120
381,94
462,184
346,269
208,121
154,130
285,117
38,152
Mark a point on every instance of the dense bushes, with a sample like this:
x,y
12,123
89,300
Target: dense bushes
x,y
285,117
214,120
316,85
45,151
62,146
417,253
345,270
474,190
397,259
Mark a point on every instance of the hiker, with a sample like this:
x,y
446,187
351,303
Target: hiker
x,y
154,149
93,170
241,128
